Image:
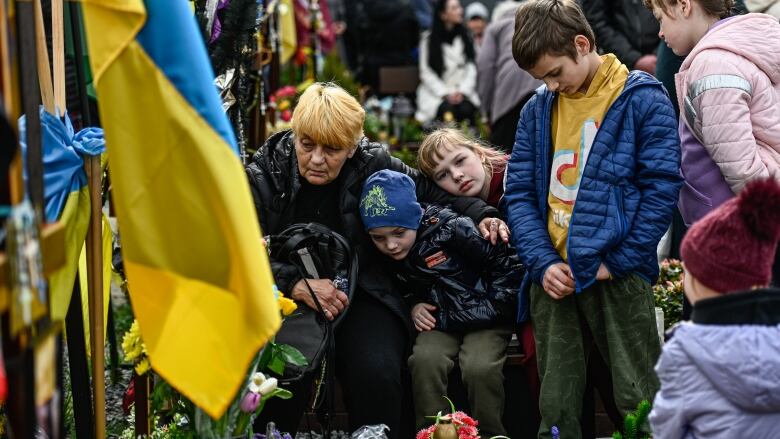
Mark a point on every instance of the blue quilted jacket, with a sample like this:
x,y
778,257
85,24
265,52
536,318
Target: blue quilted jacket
x,y
627,194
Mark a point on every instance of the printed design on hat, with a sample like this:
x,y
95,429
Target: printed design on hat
x,y
374,204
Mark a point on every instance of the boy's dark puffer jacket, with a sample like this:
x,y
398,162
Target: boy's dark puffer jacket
x,y
472,283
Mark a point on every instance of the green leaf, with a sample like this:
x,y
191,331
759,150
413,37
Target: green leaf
x,y
265,355
630,426
280,393
452,406
291,355
276,365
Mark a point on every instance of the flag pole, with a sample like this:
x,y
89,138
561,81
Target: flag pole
x,y
95,282
79,371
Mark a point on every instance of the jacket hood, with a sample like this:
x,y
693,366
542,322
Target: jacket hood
x,y
742,362
747,36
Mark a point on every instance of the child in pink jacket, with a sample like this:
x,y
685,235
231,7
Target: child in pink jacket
x,y
728,89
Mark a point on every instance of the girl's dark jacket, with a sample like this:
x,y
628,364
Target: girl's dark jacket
x,y
273,179
473,284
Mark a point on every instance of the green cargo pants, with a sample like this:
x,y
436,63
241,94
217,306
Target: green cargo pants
x,y
480,354
619,315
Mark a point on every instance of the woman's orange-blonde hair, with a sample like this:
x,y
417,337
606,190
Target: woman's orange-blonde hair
x,y
329,115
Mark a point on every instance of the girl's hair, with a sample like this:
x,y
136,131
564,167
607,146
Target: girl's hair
x,y
716,8
432,149
329,115
440,35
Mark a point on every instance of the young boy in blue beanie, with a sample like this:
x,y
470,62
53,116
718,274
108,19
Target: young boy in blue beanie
x,y
464,290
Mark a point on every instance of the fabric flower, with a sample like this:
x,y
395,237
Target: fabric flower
x,y
250,402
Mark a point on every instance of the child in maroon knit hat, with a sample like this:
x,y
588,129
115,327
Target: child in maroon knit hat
x,y
720,373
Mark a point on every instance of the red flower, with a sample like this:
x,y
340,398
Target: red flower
x,y
129,399
462,418
468,432
426,433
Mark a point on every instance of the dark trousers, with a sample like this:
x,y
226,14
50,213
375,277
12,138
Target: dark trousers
x,y
371,347
502,131
371,354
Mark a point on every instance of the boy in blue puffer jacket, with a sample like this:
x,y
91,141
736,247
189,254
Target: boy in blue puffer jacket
x,y
464,290
591,186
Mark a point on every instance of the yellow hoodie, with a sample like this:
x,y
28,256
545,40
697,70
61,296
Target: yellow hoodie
x,y
575,120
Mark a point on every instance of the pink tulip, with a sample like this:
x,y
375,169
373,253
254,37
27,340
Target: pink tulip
x,y
250,402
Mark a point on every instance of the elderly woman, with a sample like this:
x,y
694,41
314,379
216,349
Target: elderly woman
x,y
315,172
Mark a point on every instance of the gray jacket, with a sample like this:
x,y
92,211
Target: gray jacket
x,y
720,376
501,84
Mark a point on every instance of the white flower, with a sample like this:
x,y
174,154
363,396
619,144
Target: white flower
x,y
268,386
257,381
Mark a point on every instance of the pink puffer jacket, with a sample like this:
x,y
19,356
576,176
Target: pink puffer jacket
x,y
728,89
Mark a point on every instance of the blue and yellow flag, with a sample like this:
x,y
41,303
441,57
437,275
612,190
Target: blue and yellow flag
x,y
198,276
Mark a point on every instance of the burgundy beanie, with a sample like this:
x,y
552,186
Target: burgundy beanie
x,y
733,247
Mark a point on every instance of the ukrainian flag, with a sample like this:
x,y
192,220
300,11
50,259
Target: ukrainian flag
x,y
198,276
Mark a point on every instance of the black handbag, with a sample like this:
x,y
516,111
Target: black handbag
x,y
318,253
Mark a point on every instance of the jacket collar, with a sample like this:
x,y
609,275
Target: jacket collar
x,y
278,156
758,307
635,79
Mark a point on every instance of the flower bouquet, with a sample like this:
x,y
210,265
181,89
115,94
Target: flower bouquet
x,y
190,420
668,291
282,100
455,425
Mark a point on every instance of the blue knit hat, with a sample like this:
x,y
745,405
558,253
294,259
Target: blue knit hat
x,y
389,199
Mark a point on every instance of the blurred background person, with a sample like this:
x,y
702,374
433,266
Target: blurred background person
x,y
503,86
476,22
627,29
448,74
380,33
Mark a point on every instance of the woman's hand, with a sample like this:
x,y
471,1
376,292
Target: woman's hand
x,y
332,300
422,317
492,228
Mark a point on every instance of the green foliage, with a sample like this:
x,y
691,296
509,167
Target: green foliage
x,y
629,425
635,423
176,428
280,355
668,291
406,155
412,131
333,70
373,127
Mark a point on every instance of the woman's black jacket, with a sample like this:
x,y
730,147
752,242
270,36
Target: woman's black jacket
x,y
473,284
273,179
